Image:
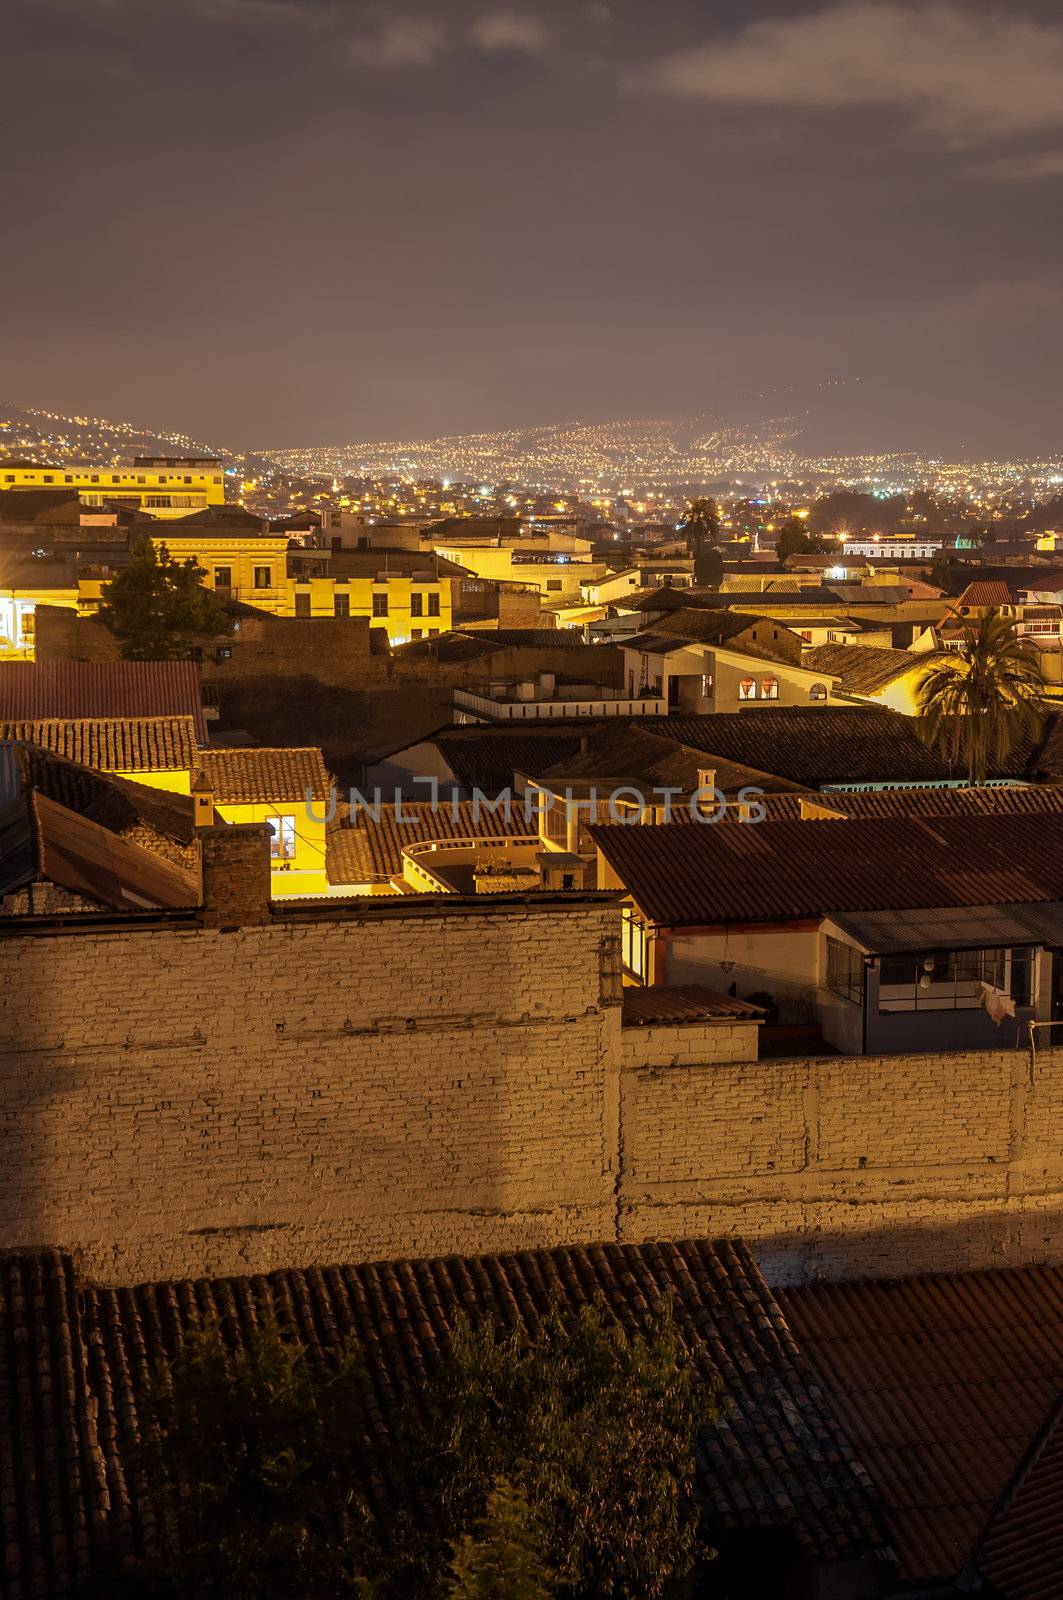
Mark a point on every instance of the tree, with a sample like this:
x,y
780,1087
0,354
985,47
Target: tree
x,y
708,568
252,1457
593,1425
794,539
974,706
701,524
503,1560
156,607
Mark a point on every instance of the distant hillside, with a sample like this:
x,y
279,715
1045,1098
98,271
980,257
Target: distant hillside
x,y
693,449
49,437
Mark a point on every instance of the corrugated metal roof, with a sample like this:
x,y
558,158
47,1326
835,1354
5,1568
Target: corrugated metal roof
x,y
84,690
955,927
941,1382
686,875
663,1003
259,776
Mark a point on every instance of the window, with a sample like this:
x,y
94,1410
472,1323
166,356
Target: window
x,y
417,605
223,577
747,689
95,478
818,691
769,688
380,605
433,605
49,477
9,477
633,943
432,632
302,604
282,842
341,605
416,633
262,577
845,971
223,653
553,583
951,980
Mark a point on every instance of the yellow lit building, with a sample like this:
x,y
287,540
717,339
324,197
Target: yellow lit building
x,y
289,790
166,486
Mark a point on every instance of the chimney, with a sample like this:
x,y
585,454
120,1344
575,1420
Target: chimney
x,y
202,801
706,777
235,874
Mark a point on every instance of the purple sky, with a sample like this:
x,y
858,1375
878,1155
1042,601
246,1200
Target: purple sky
x,y
294,221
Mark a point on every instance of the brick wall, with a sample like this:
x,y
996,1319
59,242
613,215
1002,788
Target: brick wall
x,y
183,1100
851,1165
417,1077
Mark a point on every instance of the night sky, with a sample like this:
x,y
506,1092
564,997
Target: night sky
x,y
274,222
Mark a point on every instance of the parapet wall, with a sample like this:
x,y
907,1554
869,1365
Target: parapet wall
x,y
411,1078
851,1165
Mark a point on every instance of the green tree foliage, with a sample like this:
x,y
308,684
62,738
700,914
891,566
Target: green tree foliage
x,y
503,1559
595,1427
701,524
975,705
253,1457
156,607
795,539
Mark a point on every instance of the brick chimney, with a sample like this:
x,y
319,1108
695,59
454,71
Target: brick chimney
x,y
234,871
203,801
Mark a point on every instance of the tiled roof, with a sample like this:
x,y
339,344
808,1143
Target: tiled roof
x,y
816,745
686,876
1042,799
862,668
624,754
776,1458
487,760
258,776
119,744
991,594
941,1382
375,845
1021,1552
95,690
115,803
43,840
655,1003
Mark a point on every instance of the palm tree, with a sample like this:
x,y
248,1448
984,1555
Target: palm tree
x,y
701,523
976,705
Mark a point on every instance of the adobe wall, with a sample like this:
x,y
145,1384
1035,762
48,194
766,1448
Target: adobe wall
x,y
851,1166
184,1100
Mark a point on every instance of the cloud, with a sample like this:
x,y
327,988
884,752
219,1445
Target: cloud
x,y
500,31
1031,164
965,77
400,42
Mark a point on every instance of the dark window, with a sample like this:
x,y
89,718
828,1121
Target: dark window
x,y
223,577
417,633
302,605
262,577
380,605
845,971
818,691
553,583
433,605
341,605
223,653
417,605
